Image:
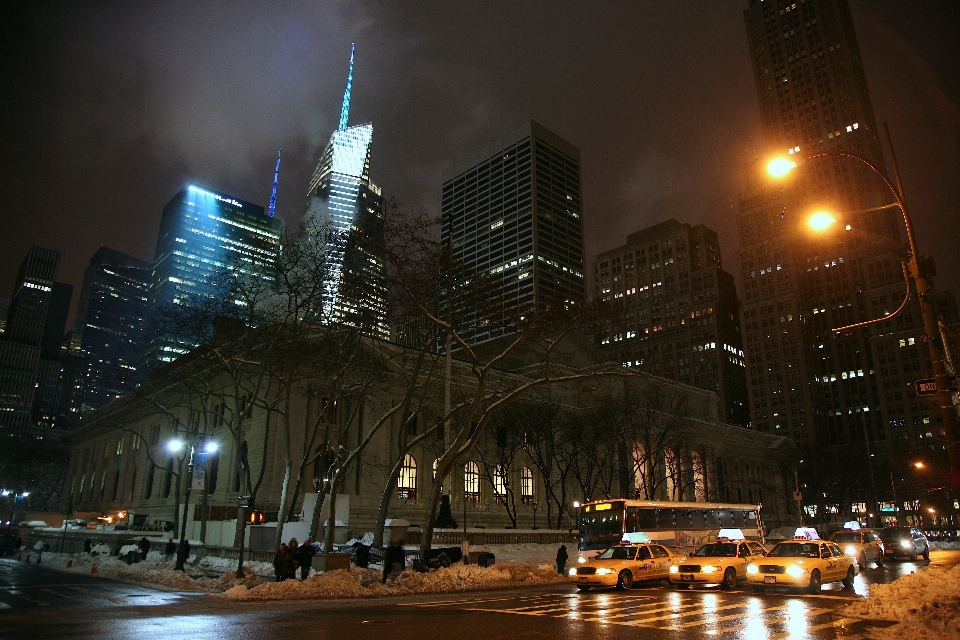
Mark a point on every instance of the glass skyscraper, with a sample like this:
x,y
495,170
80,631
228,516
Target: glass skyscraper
x,y
513,211
108,333
202,234
346,207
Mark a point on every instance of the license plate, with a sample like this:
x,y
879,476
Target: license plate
x,y
686,577
770,579
583,579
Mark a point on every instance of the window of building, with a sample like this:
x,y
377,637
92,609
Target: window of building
x,y
526,486
500,484
407,482
471,481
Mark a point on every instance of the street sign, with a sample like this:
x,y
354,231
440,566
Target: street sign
x,y
928,386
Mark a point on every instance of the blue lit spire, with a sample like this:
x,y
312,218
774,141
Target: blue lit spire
x,y
272,208
345,111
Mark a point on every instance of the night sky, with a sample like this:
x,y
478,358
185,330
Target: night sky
x,y
109,108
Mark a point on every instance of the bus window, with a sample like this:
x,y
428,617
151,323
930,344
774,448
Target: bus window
x,y
632,519
681,518
713,518
665,519
589,527
750,517
647,520
726,519
697,520
610,523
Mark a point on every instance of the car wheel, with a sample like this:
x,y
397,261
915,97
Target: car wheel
x,y
583,587
879,560
625,580
729,579
759,588
814,582
848,581
913,555
926,552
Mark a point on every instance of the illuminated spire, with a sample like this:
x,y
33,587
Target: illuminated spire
x,y
272,208
345,111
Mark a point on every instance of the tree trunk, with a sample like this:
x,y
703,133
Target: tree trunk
x,y
385,499
331,529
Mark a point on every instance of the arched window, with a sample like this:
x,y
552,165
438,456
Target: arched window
x,y
699,478
471,481
407,482
526,485
500,484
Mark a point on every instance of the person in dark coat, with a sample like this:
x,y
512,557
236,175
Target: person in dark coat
x,y
144,545
170,549
394,560
561,559
282,563
305,556
87,545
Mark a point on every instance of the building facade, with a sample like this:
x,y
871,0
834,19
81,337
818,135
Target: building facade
x,y
666,306
513,211
202,234
109,329
852,390
346,208
31,388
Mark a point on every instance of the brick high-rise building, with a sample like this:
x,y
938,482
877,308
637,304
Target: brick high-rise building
x,y
666,306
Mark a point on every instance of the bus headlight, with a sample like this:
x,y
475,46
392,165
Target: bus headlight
x,y
708,568
602,571
573,571
674,569
752,569
795,571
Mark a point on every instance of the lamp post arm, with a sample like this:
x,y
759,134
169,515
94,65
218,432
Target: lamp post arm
x,y
866,323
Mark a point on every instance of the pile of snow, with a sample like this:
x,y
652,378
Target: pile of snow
x,y
215,563
102,549
926,603
365,583
128,548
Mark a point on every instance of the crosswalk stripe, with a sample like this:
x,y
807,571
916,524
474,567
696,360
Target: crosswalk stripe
x,y
100,595
826,625
4,605
661,608
720,619
65,595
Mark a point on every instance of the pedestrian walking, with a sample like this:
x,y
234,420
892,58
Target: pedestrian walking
x,y
282,563
293,548
87,545
394,560
39,548
144,545
305,557
561,559
169,550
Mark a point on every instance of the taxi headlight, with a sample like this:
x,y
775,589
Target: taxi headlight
x,y
851,550
602,571
674,569
795,571
581,560
752,569
906,544
708,568
573,571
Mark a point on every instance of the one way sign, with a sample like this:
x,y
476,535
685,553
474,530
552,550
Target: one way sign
x,y
928,386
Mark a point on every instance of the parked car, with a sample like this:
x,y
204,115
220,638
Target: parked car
x,y
908,542
863,545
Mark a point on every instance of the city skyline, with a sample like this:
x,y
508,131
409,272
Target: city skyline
x,y
663,147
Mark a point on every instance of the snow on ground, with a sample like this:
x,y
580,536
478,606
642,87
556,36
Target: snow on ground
x,y
527,552
365,583
926,603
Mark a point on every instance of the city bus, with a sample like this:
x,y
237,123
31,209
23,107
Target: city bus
x,y
678,525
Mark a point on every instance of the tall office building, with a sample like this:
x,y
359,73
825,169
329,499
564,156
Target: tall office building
x,y
108,332
512,210
346,208
31,393
798,285
666,306
202,234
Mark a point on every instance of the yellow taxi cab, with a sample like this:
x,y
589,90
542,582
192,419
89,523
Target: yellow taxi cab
x,y
723,562
863,545
806,562
622,565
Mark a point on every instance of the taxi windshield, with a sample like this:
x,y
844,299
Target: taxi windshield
x,y
846,537
719,550
618,553
795,550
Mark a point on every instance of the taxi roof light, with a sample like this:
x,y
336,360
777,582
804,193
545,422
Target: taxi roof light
x,y
851,525
731,535
635,537
806,533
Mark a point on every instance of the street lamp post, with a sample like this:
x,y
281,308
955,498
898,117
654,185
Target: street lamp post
x,y
915,269
576,505
195,440
243,502
534,515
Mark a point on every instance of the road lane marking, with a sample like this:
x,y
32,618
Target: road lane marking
x,y
720,619
827,625
100,595
65,595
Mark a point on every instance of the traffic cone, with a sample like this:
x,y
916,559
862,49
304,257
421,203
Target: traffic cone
x,y
28,558
69,563
94,570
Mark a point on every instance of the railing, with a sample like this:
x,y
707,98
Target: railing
x,y
496,537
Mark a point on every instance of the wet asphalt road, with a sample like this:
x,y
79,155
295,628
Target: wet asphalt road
x,y
39,603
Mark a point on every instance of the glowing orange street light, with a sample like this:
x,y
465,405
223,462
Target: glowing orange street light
x,y
918,465
779,167
820,221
